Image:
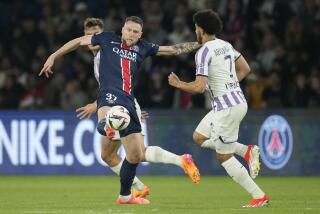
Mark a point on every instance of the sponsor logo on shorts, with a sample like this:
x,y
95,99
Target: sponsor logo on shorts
x,y
275,142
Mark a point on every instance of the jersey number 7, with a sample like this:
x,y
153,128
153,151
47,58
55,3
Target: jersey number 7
x,y
228,57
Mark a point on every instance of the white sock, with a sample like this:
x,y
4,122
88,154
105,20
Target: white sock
x,y
210,144
240,149
116,168
155,154
240,175
125,197
137,184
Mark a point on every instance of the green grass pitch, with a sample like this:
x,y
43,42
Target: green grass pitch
x,y
97,195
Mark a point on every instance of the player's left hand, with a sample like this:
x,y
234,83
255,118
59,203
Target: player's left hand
x,y
144,116
173,80
47,67
86,111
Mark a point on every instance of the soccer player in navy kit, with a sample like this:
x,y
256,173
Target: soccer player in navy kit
x,y
120,60
112,142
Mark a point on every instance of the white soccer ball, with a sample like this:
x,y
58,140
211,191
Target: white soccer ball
x,y
118,118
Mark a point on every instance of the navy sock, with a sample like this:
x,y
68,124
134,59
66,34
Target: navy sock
x,y
127,173
101,125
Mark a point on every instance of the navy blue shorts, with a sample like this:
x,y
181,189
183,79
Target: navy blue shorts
x,y
111,97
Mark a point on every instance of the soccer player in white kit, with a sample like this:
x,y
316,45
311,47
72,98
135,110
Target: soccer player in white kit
x,y
216,63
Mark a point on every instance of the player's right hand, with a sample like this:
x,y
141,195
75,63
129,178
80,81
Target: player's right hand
x,y
173,80
47,67
144,116
86,111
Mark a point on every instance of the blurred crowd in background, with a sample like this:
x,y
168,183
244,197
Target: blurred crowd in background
x,y
280,39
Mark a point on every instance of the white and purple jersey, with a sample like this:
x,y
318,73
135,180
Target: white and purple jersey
x,y
215,59
118,63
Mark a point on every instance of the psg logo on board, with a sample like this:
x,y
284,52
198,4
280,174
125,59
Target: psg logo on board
x,y
275,142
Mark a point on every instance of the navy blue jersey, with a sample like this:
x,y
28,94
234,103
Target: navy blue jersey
x,y
119,63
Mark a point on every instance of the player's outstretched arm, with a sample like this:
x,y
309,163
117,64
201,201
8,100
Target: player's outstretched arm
x,y
242,68
195,87
87,110
66,48
178,49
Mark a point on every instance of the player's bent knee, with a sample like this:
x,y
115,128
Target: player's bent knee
x,y
223,157
101,127
135,158
198,138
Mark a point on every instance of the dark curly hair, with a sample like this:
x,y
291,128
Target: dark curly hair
x,y
209,21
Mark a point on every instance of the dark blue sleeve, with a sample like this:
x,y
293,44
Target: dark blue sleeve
x,y
151,49
100,38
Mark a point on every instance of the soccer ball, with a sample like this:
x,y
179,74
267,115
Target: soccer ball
x,y
118,118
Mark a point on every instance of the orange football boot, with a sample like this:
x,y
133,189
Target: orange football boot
x,y
133,200
190,168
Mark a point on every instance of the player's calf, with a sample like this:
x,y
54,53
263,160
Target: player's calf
x,y
111,159
127,174
223,157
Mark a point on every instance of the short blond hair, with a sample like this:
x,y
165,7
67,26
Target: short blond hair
x,y
92,22
135,19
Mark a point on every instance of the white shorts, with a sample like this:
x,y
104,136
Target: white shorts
x,y
117,135
223,127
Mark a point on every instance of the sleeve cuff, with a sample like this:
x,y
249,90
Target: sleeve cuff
x,y
202,75
238,57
